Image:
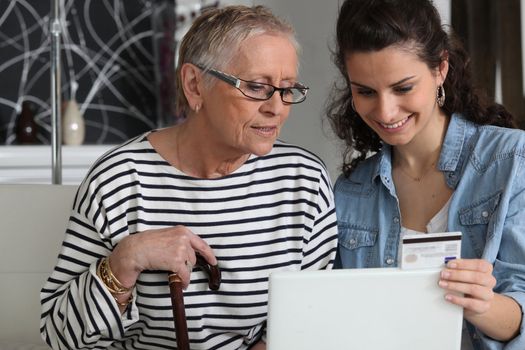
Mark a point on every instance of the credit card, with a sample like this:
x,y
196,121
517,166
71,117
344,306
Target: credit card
x,y
420,251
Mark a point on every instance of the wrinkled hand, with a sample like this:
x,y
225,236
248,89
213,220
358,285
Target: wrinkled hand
x,y
474,279
168,249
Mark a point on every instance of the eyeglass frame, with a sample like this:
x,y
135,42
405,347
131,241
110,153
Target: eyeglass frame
x,y
236,83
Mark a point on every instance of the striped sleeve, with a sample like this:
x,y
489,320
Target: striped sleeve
x,y
320,247
77,310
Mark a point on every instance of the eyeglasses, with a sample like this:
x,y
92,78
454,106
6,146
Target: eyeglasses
x,y
261,91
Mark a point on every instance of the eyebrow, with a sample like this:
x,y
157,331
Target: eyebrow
x,y
270,79
391,85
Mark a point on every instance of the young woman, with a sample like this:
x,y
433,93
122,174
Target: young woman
x,y
425,153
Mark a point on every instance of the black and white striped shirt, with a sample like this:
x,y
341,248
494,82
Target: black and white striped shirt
x,y
275,212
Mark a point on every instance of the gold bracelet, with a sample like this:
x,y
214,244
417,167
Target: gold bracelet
x,y
126,303
108,278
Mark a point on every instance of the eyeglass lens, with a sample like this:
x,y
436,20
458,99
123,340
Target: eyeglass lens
x,y
262,91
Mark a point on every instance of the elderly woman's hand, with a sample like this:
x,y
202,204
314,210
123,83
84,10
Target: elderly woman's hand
x,y
169,249
473,278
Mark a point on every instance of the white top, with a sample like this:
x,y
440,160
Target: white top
x,y
437,224
275,212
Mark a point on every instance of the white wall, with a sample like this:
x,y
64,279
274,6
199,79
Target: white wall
x,y
444,9
314,22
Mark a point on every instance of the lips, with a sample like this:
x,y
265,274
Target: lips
x,y
269,132
265,129
395,125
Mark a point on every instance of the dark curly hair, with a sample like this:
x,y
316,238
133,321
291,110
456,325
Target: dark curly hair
x,y
372,25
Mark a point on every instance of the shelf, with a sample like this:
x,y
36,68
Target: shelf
x,y
32,164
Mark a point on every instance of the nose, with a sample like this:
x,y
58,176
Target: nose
x,y
387,108
274,106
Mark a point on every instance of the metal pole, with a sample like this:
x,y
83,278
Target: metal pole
x,y
56,120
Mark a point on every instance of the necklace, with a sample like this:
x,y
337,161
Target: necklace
x,y
425,173
420,177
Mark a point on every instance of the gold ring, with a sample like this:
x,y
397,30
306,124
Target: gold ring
x,y
174,278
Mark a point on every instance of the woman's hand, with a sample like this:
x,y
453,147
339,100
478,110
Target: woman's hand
x,y
496,315
170,249
473,278
259,346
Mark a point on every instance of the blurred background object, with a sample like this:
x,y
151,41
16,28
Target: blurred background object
x,y
117,64
25,126
492,32
117,61
122,55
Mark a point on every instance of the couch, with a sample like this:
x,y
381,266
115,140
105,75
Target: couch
x,y
33,219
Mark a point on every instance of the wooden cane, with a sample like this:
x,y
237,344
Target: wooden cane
x,y
177,299
179,313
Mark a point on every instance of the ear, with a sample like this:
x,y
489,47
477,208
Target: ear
x,y
191,84
443,68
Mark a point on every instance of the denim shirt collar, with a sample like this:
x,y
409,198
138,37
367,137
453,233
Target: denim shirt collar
x,y
453,144
383,168
450,161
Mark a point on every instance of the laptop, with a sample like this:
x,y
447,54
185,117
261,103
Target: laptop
x,y
361,309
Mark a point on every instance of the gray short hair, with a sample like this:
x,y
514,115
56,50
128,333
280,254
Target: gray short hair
x,y
215,37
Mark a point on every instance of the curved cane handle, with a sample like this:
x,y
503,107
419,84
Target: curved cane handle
x,y
212,272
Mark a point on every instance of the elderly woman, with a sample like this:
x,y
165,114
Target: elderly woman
x,y
218,184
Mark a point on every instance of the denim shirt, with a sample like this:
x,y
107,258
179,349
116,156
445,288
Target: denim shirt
x,y
485,167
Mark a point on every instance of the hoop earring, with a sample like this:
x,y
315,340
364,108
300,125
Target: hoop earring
x,y
440,96
353,105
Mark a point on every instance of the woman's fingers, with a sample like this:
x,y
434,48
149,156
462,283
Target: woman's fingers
x,y
199,245
473,271
478,265
471,305
471,290
169,249
469,283
472,297
188,244
471,277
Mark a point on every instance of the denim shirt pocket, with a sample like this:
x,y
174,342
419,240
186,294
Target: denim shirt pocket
x,y
357,246
475,219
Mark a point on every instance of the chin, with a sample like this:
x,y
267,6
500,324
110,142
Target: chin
x,y
262,150
396,141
